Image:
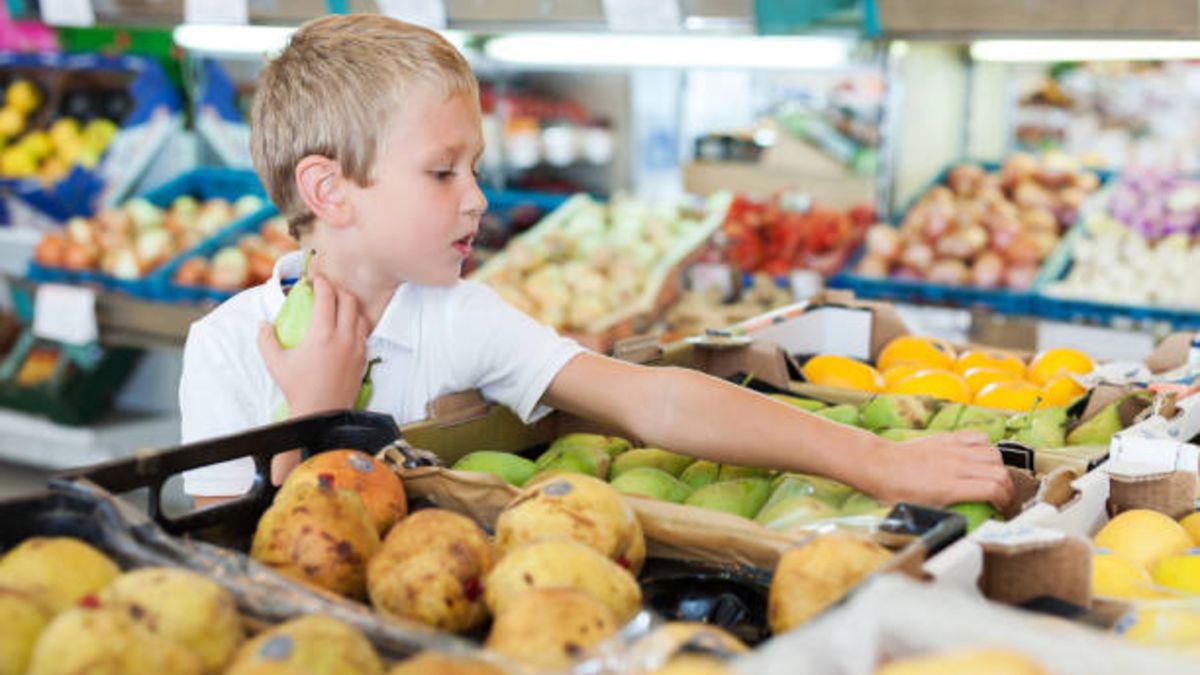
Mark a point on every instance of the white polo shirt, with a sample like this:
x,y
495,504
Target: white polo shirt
x,y
432,341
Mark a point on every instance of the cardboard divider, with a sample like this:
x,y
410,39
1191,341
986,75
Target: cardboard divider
x,y
1171,493
1019,572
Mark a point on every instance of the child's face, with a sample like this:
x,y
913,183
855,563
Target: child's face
x,y
417,220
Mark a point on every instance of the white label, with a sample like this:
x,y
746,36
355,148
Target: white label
x,y
823,330
703,276
428,13
1135,456
77,13
216,11
65,313
1007,534
805,284
638,16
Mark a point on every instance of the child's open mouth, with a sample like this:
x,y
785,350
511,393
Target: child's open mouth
x,y
463,245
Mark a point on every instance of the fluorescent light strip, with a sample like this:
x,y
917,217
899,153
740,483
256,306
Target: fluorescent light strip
x,y
224,40
668,51
1050,51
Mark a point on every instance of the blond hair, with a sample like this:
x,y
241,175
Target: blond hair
x,y
332,92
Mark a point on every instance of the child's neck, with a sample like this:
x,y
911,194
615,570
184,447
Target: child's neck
x,y
372,292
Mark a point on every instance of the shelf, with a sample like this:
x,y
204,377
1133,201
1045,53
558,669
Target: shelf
x,y
37,442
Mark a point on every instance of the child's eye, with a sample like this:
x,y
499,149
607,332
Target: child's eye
x,y
442,175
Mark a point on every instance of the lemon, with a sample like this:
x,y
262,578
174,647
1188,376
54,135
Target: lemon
x,y
1143,536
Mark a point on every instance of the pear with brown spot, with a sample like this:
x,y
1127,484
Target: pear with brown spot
x,y
320,535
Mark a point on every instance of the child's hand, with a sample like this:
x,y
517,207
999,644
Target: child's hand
x,y
325,371
944,469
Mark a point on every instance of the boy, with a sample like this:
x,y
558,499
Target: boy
x,y
366,133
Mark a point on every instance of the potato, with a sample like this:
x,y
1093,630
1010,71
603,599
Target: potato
x,y
319,535
549,628
817,574
577,507
430,568
563,563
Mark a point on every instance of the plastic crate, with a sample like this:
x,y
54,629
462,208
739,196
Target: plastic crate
x,y
1073,310
207,183
999,300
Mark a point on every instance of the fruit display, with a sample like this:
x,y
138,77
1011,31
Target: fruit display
x,y
50,153
591,265
991,378
1138,249
132,240
780,501
980,228
781,234
247,262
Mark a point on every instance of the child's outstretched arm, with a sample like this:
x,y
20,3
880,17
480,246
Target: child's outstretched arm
x,y
693,413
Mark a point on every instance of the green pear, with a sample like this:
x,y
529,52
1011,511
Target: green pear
x,y
902,435
842,414
959,417
895,412
742,497
653,483
653,458
588,460
795,512
801,403
291,323
828,490
863,504
1099,429
513,469
1045,428
788,486
734,472
700,473
613,445
976,513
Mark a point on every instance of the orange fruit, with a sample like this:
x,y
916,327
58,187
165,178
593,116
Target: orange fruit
x,y
1052,363
926,352
899,372
1012,395
941,384
978,378
1060,392
989,358
839,371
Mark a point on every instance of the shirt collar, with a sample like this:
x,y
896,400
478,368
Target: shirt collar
x,y
397,325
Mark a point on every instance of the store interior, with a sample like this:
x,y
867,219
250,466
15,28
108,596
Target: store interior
x,y
909,216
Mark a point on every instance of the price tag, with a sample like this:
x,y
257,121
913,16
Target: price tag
x,y
428,13
77,13
65,313
638,16
216,11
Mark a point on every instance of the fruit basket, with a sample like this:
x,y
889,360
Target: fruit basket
x,y
124,249
85,128
941,251
675,587
601,273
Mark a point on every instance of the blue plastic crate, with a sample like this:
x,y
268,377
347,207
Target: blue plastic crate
x,y
203,184
165,275
999,300
1071,310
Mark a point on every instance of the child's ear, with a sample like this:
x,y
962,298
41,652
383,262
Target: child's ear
x,y
323,189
